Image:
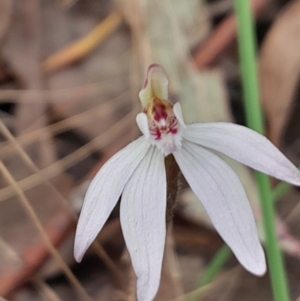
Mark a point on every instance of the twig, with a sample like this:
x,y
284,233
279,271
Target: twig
x,y
25,60
206,288
219,8
75,121
46,292
84,46
59,95
61,165
27,206
8,253
231,285
28,161
222,36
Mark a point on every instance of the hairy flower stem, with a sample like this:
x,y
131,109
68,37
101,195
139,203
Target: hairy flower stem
x,y
255,121
173,173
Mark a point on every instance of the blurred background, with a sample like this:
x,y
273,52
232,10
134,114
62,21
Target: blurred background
x,y
70,73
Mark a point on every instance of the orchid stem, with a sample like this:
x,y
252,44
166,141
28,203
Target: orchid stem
x,y
255,121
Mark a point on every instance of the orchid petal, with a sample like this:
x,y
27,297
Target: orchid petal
x,y
142,122
223,197
156,85
143,220
245,146
104,192
178,114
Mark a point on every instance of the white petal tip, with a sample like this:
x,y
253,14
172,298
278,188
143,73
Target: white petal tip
x,y
78,259
259,270
78,255
259,266
291,174
80,247
144,294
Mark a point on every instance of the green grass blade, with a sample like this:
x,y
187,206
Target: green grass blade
x,y
255,121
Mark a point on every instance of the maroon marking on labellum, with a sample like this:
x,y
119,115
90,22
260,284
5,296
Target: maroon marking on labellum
x,y
171,127
156,132
159,112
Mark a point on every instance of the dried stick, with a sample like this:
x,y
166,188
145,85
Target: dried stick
x,y
84,46
27,206
75,121
97,247
222,36
63,164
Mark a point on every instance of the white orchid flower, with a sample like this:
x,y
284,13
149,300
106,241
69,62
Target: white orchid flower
x,y
137,172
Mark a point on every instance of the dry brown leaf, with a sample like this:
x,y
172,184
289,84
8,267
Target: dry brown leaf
x,y
279,69
108,61
5,14
22,51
